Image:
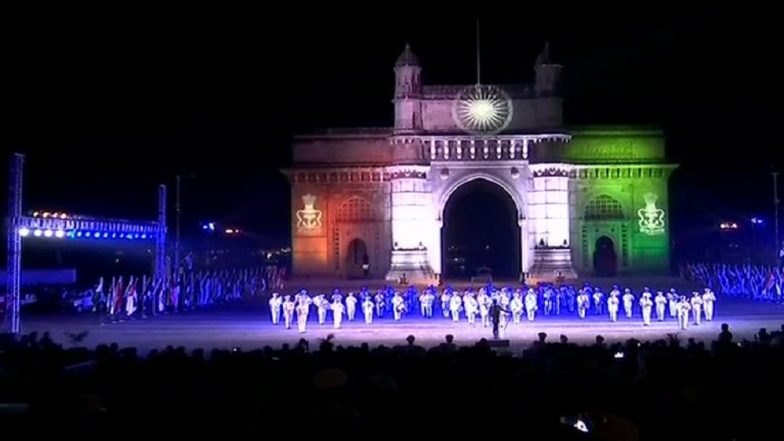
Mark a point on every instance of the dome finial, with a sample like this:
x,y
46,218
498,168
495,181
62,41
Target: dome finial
x,y
544,56
407,58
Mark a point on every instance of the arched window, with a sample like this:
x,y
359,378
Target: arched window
x,y
356,209
603,207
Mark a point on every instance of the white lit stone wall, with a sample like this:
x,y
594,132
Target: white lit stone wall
x,y
411,207
548,206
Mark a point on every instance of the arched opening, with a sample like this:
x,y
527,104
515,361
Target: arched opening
x,y
357,259
355,217
604,257
480,232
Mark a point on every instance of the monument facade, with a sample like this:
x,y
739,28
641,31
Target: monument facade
x,y
370,202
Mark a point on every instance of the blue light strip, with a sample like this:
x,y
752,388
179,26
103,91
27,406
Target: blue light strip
x,y
91,228
80,234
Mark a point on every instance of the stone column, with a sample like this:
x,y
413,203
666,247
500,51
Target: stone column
x,y
434,248
412,223
525,246
549,213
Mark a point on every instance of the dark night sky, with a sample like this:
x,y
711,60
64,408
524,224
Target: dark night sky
x,y
107,107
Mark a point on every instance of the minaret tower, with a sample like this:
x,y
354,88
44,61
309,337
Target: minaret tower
x,y
410,200
408,93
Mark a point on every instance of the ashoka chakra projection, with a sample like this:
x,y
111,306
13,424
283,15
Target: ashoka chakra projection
x,y
482,109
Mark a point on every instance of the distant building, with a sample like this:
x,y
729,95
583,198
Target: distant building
x,y
590,200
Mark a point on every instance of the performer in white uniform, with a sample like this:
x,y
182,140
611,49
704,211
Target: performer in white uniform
x,y
708,299
302,317
598,302
504,298
471,308
661,306
322,306
548,301
336,295
398,306
516,306
455,303
337,313
380,303
288,311
673,298
275,304
628,302
303,297
583,303
367,309
616,292
696,307
422,303
484,307
647,308
612,307
531,305
427,300
445,302
351,306
683,313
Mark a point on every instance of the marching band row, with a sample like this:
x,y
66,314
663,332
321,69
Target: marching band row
x,y
478,306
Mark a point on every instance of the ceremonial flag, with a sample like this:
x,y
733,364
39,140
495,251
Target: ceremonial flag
x,y
769,281
118,297
130,304
159,288
189,262
110,299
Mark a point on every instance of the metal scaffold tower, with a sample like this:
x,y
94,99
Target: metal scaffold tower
x,y
19,226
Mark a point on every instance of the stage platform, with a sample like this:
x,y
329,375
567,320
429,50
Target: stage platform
x,y
249,327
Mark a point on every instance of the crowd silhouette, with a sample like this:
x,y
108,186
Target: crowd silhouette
x,y
668,389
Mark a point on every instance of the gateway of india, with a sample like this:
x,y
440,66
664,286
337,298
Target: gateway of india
x,y
369,202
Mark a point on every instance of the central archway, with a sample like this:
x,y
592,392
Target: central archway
x,y
480,231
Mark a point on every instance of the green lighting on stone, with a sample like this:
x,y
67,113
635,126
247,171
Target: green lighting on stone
x,y
651,220
621,167
620,145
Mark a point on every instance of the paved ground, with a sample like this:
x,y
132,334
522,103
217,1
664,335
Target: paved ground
x,y
249,327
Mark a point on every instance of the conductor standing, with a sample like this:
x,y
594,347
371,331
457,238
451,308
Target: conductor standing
x,y
495,317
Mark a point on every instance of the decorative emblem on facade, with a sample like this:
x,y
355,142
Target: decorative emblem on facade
x,y
308,218
482,109
651,217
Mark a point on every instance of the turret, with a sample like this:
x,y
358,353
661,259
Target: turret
x,y
408,93
548,74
